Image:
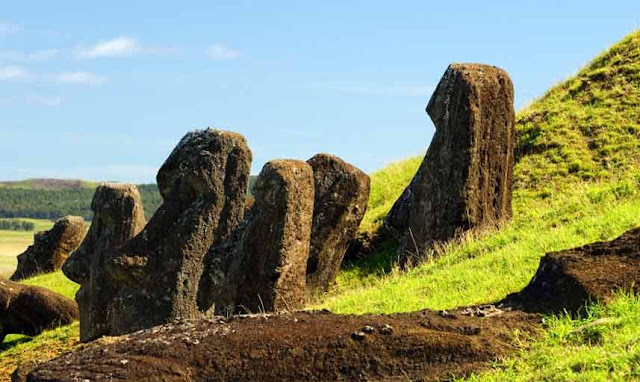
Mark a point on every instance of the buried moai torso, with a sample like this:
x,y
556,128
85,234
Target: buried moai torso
x,y
292,241
341,198
267,267
118,216
51,248
465,178
203,185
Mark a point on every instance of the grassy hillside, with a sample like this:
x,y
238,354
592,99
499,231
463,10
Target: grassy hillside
x,y
586,128
576,182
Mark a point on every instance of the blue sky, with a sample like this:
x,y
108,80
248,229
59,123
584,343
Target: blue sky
x,y
104,90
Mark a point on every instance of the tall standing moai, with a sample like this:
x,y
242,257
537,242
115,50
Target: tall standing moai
x,y
203,184
465,179
117,217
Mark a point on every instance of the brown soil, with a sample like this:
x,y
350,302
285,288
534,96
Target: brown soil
x,y
424,345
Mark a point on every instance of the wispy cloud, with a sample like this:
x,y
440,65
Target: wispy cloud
x,y
45,100
117,47
80,78
9,28
377,89
12,72
34,99
222,52
39,55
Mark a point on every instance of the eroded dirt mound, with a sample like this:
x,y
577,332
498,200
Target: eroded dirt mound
x,y
302,346
567,279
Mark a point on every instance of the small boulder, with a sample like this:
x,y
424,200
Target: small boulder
x,y
29,310
203,184
269,262
118,216
465,180
341,198
51,248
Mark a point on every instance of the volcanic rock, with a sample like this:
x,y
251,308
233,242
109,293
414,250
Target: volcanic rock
x,y
465,179
118,216
341,198
29,310
269,262
568,279
203,184
51,248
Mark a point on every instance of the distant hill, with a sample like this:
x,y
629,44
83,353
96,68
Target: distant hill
x,y
49,184
54,198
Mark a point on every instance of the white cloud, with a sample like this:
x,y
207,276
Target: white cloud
x,y
9,28
117,47
80,78
12,73
222,52
40,55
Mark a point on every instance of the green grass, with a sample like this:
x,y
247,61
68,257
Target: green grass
x,y
486,266
604,346
386,187
587,127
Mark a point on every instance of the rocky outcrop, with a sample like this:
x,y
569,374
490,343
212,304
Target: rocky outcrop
x,y
118,216
566,280
465,180
267,270
303,346
340,202
51,248
29,310
203,184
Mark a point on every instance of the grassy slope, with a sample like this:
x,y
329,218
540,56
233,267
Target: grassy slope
x,y
577,154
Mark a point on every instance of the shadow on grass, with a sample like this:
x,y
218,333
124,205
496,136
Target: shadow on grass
x,y
378,262
12,341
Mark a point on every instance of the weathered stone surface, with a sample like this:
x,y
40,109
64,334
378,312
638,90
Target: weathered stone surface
x,y
397,219
203,184
465,180
304,346
269,261
340,202
118,216
29,310
566,280
51,248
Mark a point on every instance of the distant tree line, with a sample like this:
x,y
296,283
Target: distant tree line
x,y
53,204
16,225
